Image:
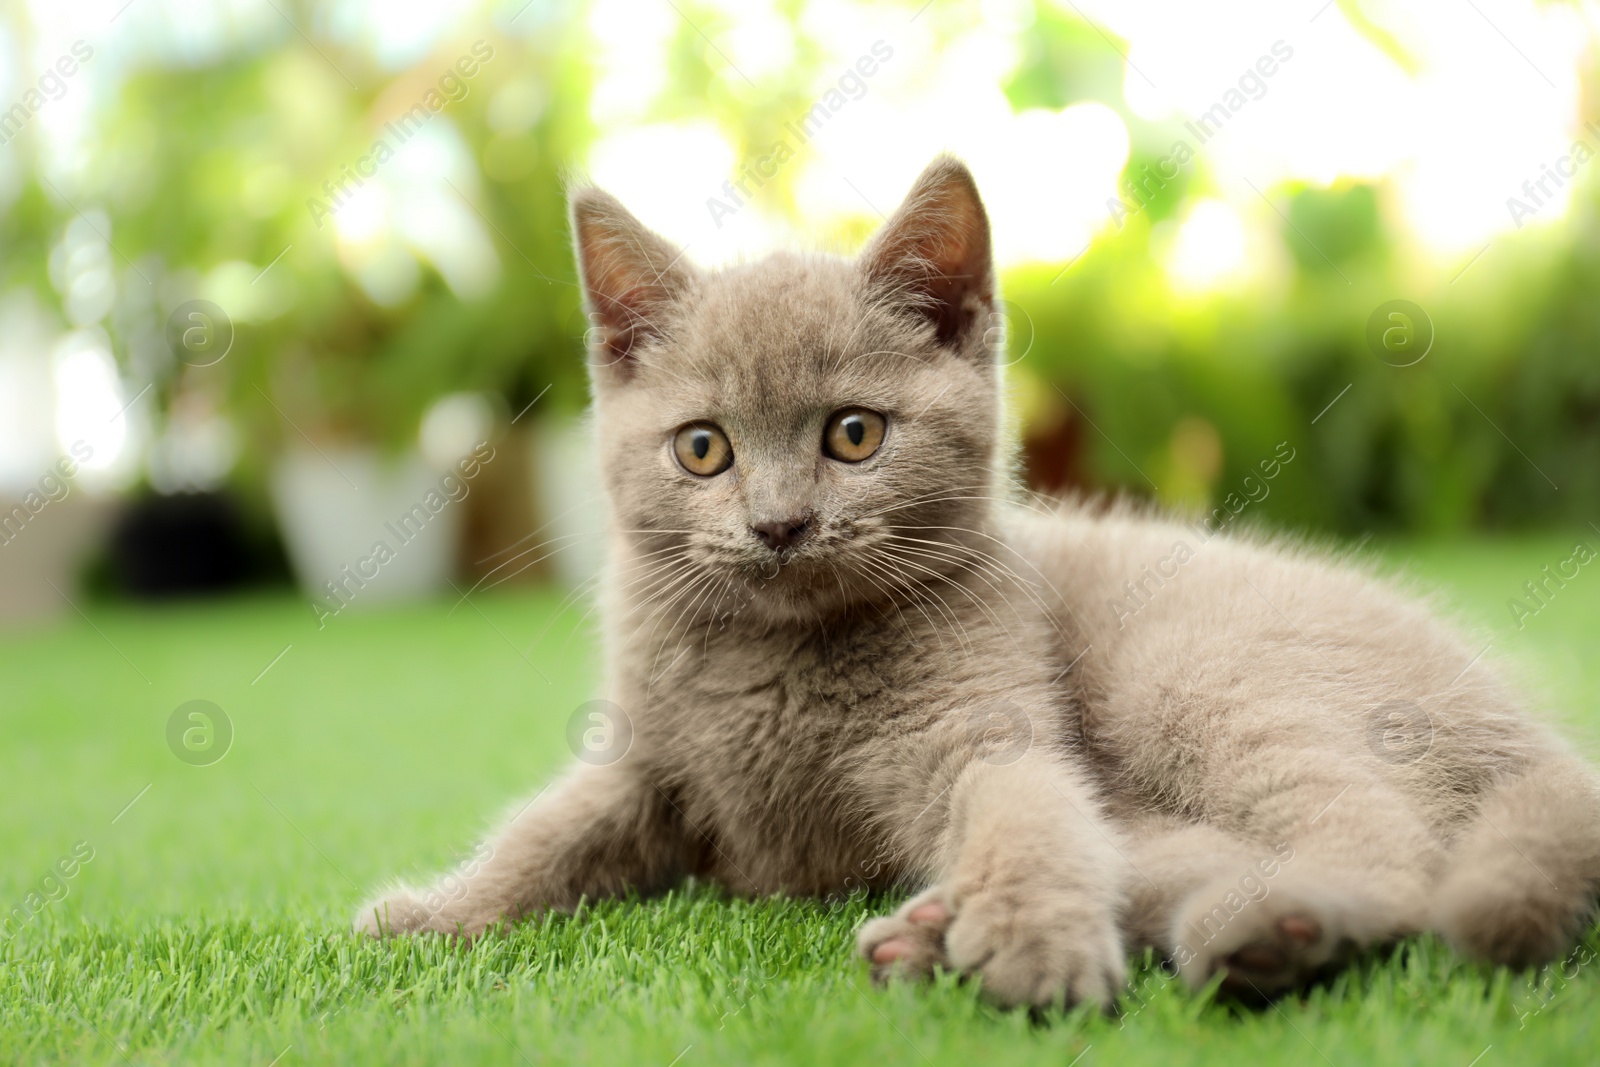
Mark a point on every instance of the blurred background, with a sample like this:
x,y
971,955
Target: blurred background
x,y
282,281
297,513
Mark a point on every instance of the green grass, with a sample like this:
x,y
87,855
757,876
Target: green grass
x,y
210,925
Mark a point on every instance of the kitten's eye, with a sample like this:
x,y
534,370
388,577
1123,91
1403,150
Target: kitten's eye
x,y
853,434
703,449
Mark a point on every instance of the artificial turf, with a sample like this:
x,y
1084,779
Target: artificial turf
x,y
211,922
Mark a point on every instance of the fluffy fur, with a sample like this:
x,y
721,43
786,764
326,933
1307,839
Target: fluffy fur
x,y
935,688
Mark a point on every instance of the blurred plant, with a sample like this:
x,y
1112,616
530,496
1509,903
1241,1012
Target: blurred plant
x,y
446,271
1177,398
229,180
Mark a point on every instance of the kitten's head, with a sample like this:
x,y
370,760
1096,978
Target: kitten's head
x,y
796,434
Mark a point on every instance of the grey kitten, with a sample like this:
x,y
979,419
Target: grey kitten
x,y
852,658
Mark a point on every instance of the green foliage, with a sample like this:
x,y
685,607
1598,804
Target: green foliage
x,y
1064,61
208,173
1334,227
1498,423
225,163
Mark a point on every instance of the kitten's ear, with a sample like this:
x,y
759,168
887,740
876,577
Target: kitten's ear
x,y
934,253
631,276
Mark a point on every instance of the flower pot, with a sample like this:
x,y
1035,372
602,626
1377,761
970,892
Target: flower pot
x,y
569,499
363,529
42,542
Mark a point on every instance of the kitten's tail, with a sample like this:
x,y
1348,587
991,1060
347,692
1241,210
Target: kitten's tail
x,y
1522,879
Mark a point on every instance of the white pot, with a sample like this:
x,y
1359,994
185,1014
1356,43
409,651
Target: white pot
x,y
40,552
377,528
569,498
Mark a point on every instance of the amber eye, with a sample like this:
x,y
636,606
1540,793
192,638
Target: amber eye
x,y
853,434
703,449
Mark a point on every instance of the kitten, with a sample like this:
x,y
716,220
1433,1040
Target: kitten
x,y
851,658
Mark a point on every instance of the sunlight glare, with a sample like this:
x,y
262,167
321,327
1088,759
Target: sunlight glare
x,y
89,401
1210,248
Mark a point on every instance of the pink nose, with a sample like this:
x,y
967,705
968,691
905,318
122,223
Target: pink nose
x,y
782,535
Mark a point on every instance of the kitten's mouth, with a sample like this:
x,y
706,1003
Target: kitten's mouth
x,y
817,574
788,573
780,565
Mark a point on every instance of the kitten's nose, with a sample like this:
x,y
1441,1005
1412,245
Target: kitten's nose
x,y
784,534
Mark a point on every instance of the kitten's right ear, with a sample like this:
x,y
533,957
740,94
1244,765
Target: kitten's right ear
x,y
631,276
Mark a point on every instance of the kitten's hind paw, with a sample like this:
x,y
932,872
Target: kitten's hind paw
x,y
1281,941
1285,954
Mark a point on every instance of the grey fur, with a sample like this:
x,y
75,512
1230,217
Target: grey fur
x,y
933,690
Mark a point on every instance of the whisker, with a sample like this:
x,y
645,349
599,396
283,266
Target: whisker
x,y
982,566
894,600
898,576
980,571
934,497
703,581
651,568
984,609
1048,584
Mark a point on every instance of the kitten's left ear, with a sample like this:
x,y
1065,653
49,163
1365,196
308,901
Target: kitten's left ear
x,y
934,253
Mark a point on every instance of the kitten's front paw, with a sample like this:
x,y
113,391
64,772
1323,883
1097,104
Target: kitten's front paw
x,y
1038,949
411,911
400,912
